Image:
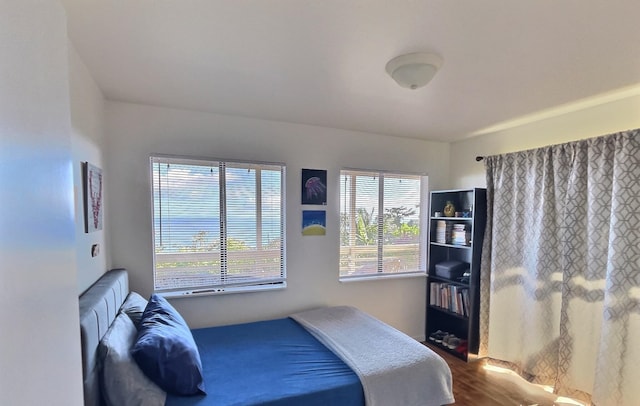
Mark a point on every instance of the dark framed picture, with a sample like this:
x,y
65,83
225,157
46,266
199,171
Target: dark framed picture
x,y
314,186
92,185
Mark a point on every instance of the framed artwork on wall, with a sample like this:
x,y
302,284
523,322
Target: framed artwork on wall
x,y
314,186
314,222
92,185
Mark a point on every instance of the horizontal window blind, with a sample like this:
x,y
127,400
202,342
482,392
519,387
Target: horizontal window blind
x,y
381,227
217,224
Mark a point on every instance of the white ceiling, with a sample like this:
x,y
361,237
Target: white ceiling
x,y
322,62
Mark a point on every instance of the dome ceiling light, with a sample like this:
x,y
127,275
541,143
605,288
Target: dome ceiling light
x,y
414,70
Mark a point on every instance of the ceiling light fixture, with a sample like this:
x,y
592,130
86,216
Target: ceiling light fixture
x,y
414,70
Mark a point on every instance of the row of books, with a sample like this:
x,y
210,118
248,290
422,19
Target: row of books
x,y
443,231
451,297
450,233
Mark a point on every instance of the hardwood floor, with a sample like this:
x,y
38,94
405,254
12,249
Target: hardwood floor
x,y
473,385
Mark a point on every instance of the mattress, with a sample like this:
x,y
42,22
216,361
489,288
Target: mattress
x,y
274,362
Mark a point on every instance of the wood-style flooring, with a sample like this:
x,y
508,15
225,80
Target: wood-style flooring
x,y
473,385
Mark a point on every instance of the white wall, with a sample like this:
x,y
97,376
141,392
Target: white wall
x,y
87,141
40,338
607,118
135,131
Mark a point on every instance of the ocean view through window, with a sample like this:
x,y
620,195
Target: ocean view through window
x,y
218,226
382,224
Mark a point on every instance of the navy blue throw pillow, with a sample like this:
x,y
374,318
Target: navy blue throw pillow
x,y
165,349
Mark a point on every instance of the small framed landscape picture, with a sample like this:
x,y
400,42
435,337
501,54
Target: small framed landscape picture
x,y
92,185
314,222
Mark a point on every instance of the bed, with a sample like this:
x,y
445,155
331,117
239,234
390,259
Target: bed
x,y
309,358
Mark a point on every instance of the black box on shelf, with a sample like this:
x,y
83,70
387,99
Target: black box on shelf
x,y
451,269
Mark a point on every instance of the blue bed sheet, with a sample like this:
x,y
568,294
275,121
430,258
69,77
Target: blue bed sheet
x,y
275,363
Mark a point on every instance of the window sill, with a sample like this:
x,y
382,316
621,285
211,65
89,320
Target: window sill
x,y
361,278
175,294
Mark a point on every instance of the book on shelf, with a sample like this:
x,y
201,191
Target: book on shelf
x,y
453,298
443,231
459,235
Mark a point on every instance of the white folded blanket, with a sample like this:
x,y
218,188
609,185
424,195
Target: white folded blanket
x,y
394,369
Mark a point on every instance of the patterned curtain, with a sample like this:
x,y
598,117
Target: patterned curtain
x,y
560,277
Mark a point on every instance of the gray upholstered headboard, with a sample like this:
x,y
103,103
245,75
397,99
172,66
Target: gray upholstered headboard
x,y
99,306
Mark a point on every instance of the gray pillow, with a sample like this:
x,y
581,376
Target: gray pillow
x,y
123,382
134,306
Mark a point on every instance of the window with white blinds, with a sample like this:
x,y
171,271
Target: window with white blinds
x,y
382,224
218,226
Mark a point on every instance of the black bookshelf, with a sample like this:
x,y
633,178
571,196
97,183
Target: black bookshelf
x,y
453,302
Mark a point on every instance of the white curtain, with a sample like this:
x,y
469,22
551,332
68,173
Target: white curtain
x,y
560,278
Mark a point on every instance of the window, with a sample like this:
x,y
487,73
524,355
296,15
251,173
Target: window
x,y
381,226
218,226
